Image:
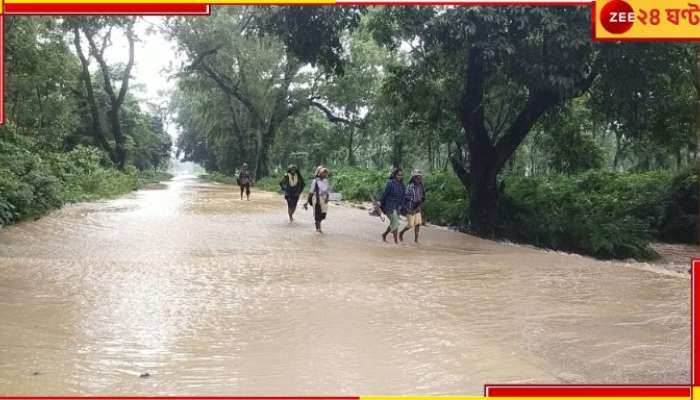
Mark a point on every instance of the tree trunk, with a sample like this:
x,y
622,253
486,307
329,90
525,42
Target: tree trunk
x,y
351,155
486,158
258,167
115,99
119,141
397,150
483,193
616,160
97,131
483,204
430,154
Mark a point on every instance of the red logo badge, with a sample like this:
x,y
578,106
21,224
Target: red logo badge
x,y
617,16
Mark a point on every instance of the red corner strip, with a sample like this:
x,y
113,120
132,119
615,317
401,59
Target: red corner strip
x,y
2,69
106,8
586,391
694,318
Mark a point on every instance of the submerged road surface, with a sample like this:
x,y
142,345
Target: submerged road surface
x,y
208,294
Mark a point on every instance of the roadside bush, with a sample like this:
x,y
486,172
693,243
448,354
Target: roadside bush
x,y
359,184
27,185
98,184
597,213
447,201
678,222
34,182
271,183
146,177
10,189
221,178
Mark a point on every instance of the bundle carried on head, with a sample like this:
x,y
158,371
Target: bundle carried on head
x,y
319,170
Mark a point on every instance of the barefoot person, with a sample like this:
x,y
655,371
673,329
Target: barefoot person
x,y
392,201
244,180
292,184
319,192
415,195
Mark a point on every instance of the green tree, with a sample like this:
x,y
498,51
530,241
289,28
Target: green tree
x,y
98,32
654,106
514,64
41,76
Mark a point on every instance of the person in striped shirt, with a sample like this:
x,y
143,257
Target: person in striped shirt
x,y
414,198
392,202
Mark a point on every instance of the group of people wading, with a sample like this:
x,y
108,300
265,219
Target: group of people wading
x,y
397,198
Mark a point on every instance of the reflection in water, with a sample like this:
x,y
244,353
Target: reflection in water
x,y
213,295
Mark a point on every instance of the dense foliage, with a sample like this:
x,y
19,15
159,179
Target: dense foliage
x,y
475,95
33,182
528,130
50,151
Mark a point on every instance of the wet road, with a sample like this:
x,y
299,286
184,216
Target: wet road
x,y
212,295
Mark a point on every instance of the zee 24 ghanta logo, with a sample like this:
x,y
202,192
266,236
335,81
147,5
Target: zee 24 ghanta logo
x,y
618,16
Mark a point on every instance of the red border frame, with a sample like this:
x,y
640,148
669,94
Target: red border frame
x,y
106,9
587,390
694,318
2,68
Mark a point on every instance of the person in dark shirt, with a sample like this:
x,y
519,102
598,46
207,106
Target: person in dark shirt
x,y
292,184
392,202
244,180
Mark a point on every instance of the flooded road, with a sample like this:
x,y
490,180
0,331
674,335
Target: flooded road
x,y
212,295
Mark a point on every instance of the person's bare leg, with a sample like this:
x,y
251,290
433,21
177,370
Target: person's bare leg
x,y
247,193
417,229
402,232
395,234
388,229
242,189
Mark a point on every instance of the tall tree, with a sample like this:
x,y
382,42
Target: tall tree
x,y
654,106
244,53
98,33
41,76
515,64
252,71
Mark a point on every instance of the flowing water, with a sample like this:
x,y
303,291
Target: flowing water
x,y
209,294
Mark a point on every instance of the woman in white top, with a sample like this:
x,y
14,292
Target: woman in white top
x,y
318,196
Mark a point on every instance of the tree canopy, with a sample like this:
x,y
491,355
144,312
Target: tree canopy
x,y
488,91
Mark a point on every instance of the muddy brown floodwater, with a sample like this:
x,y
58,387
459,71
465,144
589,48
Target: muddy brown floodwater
x,y
212,295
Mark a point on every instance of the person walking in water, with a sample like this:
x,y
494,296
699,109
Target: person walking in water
x,y
319,193
292,184
415,195
244,180
392,201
